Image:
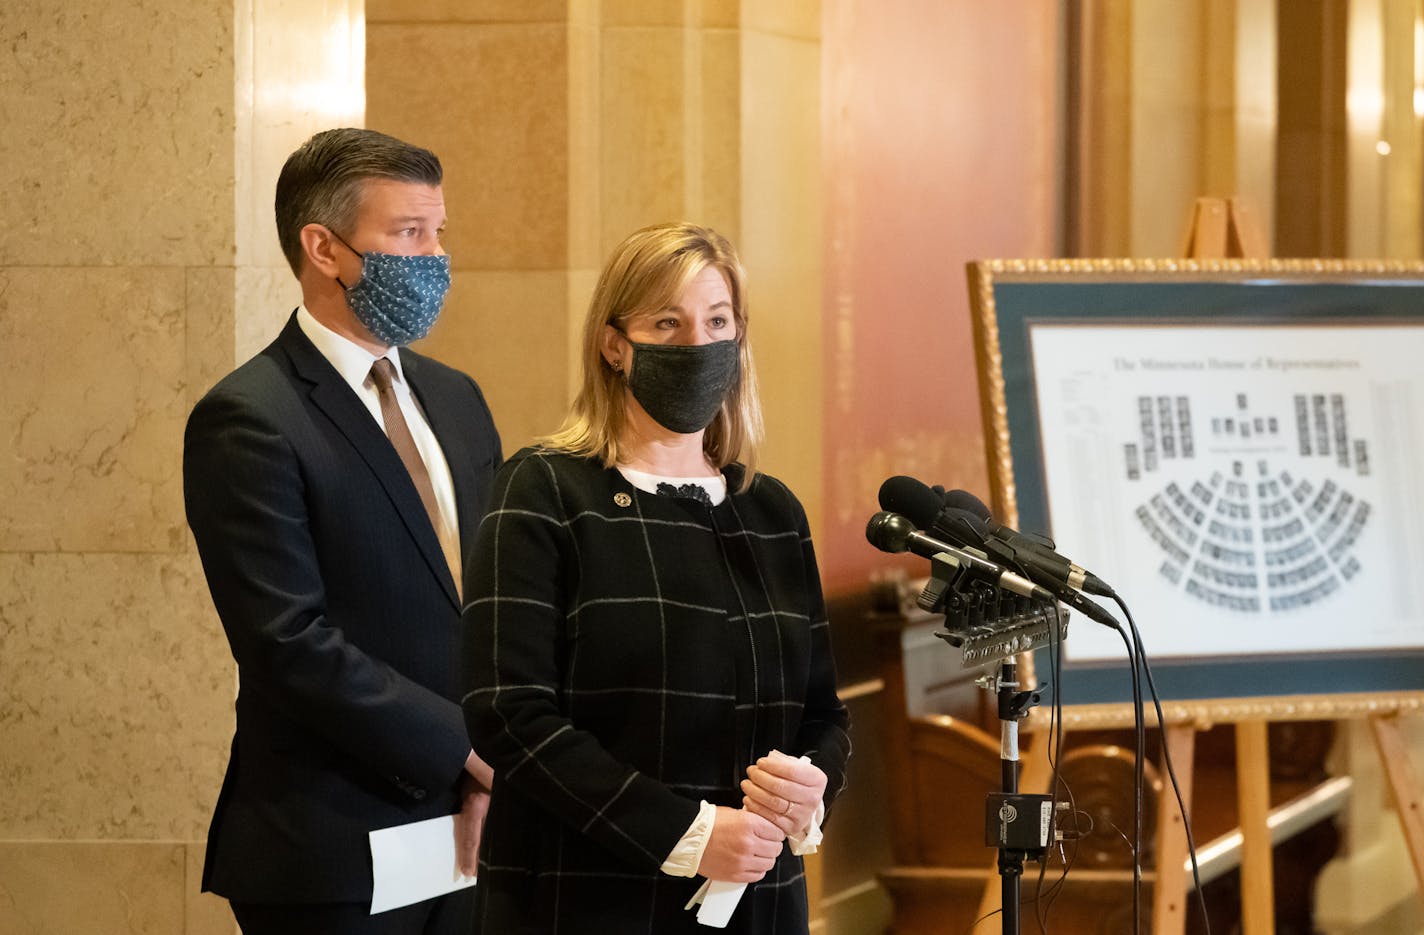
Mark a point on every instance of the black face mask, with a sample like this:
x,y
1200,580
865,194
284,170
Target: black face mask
x,y
682,386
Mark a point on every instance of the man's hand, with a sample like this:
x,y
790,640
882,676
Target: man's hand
x,y
783,790
742,848
480,771
469,824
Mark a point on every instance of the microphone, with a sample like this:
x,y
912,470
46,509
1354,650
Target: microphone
x,y
891,532
963,517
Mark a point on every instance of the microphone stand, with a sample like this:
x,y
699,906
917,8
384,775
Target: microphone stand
x,y
989,624
1020,826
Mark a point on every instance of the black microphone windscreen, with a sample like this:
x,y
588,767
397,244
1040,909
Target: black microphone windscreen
x,y
912,499
889,532
964,500
962,526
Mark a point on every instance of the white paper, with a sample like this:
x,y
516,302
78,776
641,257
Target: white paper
x,y
414,862
718,901
1257,487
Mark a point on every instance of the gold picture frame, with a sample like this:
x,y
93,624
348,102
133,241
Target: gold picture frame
x,y
1003,295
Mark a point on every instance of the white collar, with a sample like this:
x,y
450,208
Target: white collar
x,y
350,359
716,487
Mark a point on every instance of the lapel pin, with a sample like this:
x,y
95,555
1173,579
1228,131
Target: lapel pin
x,y
622,499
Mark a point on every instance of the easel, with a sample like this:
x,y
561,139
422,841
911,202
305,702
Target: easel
x,y
1221,229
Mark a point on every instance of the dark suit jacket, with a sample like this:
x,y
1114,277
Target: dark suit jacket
x,y
340,610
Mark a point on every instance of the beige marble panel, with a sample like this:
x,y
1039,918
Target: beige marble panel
x,y
787,344
645,12
72,888
94,408
208,328
203,913
299,68
117,146
582,282
798,19
116,694
508,330
585,132
492,102
721,132
463,11
780,162
265,298
643,127
713,14
781,248
720,14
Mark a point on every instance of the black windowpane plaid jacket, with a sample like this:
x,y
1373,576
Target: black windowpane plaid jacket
x,y
627,655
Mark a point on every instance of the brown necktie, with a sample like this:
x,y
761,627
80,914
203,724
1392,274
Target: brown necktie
x,y
382,374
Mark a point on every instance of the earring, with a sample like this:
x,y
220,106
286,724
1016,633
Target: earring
x,y
616,364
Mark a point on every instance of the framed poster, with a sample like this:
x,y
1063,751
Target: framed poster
x,y
1236,446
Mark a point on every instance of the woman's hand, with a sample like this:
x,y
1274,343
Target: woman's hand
x,y
742,848
784,790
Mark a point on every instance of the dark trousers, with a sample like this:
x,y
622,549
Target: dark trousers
x,y
452,914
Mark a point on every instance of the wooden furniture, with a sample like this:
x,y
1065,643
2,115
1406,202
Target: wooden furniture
x,y
941,760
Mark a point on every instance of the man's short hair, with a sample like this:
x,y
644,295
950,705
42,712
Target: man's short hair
x,y
321,182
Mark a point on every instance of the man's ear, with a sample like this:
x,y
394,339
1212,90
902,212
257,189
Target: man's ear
x,y
320,247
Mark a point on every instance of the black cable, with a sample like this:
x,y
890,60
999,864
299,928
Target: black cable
x,y
1139,733
981,920
1167,758
1043,904
1138,765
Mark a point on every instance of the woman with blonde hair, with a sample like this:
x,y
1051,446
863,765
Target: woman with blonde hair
x,y
647,655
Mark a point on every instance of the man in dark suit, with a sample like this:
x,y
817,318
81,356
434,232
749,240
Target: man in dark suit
x,y
334,484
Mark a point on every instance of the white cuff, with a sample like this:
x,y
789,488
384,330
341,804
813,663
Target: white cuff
x,y
687,852
807,839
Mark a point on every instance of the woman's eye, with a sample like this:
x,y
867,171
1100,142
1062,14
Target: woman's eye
x,y
667,324
719,322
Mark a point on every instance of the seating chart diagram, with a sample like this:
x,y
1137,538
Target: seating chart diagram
x,y
1255,536
1247,488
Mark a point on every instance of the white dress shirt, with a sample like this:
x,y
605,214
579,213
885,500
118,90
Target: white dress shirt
x,y
354,362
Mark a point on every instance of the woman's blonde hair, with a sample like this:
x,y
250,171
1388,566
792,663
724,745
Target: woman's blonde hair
x,y
646,273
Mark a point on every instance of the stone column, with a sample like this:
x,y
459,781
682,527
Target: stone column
x,y
138,263
564,127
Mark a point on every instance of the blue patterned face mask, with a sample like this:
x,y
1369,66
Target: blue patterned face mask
x,y
397,297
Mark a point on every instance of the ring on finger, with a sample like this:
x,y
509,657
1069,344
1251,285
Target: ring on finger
x,y
786,812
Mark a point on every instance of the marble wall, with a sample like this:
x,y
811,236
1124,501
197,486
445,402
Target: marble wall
x,y
138,263
597,117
